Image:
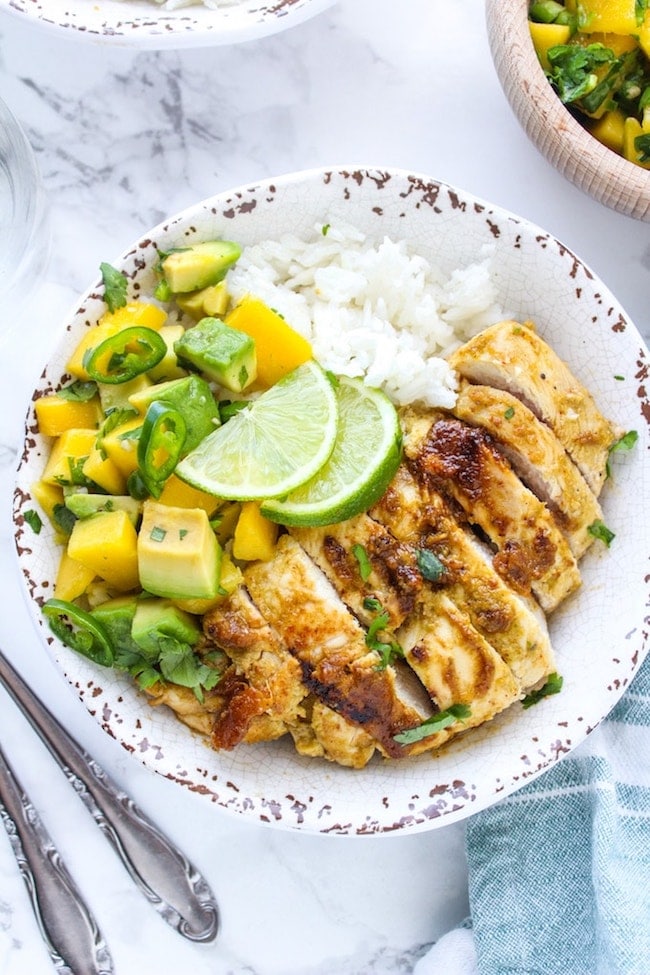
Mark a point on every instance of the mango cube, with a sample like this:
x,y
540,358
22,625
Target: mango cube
x,y
68,456
279,348
55,414
72,579
107,544
255,536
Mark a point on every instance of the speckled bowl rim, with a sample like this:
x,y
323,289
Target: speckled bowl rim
x,y
142,24
600,633
595,169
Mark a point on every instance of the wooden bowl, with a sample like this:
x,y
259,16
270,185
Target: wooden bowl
x,y
577,155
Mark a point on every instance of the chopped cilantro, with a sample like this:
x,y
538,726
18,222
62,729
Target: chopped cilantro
x,y
509,413
78,391
600,531
387,650
157,534
115,285
365,567
429,565
443,719
34,520
552,686
626,442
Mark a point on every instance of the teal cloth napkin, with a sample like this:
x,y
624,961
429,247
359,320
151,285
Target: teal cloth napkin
x,y
559,872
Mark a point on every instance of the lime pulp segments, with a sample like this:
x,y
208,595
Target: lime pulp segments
x,y
366,454
276,443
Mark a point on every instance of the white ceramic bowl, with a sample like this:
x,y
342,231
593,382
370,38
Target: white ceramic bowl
x,y
599,634
144,24
577,155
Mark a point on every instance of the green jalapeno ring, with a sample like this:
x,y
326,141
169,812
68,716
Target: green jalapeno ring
x,y
160,445
125,355
79,630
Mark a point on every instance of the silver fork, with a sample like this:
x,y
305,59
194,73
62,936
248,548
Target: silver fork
x,y
73,940
160,870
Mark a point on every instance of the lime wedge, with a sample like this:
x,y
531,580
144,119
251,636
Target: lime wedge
x,y
271,446
366,454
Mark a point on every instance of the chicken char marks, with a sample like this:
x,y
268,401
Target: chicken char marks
x,y
453,571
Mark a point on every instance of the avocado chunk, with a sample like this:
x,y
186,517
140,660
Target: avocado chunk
x,y
178,553
158,620
117,615
223,354
199,266
193,399
212,300
86,505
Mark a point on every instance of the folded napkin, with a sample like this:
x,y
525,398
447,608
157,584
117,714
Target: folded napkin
x,y
559,872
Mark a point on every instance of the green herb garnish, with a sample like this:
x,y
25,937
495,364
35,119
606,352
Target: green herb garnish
x,y
600,531
387,650
429,565
443,719
365,567
78,391
115,285
34,520
552,686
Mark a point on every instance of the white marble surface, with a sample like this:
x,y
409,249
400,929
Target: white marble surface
x,y
124,138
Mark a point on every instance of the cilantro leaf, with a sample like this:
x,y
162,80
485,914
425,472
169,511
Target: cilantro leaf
x,y
443,719
34,520
115,285
598,529
78,391
429,565
365,567
552,686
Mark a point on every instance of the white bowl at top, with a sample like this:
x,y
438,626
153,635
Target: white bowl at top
x,y
599,634
148,24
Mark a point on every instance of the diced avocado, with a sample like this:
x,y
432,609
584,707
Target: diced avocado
x,y
158,619
115,396
199,266
212,300
85,505
178,553
222,353
192,397
117,617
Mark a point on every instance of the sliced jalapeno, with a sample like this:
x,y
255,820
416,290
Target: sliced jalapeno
x,y
125,355
160,445
79,630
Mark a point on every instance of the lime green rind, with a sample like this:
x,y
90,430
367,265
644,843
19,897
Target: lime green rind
x,y
364,460
271,447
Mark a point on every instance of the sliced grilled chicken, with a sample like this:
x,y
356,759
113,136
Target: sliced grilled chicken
x,y
299,602
264,690
364,561
532,554
513,624
456,664
326,734
513,357
537,456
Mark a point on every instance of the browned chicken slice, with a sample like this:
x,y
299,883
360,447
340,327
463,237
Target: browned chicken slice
x,y
513,624
263,690
299,602
456,664
197,715
537,456
364,561
326,734
463,461
512,356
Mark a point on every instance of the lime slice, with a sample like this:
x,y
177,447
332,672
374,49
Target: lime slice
x,y
366,454
273,445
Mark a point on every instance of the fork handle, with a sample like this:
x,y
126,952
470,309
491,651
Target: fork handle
x,y
161,871
72,938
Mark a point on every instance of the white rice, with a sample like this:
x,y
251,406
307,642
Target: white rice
x,y
378,311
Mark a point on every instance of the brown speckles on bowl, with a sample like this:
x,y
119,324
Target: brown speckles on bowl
x,y
600,635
